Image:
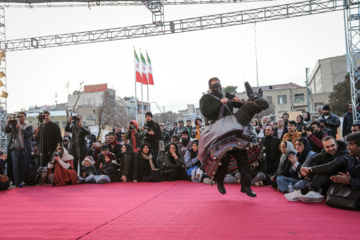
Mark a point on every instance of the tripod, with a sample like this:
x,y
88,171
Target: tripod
x,y
41,169
76,132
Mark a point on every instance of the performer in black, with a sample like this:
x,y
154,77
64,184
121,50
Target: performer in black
x,y
214,106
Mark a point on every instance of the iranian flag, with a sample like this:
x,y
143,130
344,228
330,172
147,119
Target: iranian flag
x,y
143,70
137,68
151,80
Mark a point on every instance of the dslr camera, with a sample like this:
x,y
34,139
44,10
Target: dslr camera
x,y
308,127
41,117
57,154
75,118
145,132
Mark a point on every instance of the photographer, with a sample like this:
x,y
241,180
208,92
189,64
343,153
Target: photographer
x,y
52,136
78,140
330,121
315,136
20,145
62,168
151,133
133,135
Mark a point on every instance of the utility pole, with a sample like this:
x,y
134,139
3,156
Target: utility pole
x,y
307,87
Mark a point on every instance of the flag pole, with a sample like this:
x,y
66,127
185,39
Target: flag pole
x,y
147,75
136,108
142,102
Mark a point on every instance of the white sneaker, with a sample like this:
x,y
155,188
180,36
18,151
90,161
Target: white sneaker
x,y
312,196
294,196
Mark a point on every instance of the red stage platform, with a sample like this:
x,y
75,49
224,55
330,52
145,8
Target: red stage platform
x,y
167,210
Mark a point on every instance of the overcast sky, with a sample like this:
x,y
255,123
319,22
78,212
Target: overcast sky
x,y
182,63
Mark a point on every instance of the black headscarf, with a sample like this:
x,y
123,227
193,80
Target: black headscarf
x,y
129,150
307,148
171,158
142,148
192,153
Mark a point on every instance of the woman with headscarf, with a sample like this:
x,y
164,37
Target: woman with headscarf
x,y
109,171
304,152
174,169
299,123
145,168
133,135
192,162
62,168
127,162
287,150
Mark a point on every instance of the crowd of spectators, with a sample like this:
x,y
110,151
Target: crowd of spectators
x,y
301,157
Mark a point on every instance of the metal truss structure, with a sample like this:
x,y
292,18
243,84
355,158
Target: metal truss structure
x,y
353,45
3,101
157,10
177,26
97,3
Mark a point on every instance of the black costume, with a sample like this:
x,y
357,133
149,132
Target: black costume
x,y
52,136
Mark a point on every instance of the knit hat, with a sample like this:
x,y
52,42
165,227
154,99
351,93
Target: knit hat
x,y
181,120
175,124
111,156
88,158
148,113
326,107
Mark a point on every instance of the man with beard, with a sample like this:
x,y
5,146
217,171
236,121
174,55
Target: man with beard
x,y
152,137
315,137
52,138
330,121
292,135
114,146
214,106
184,143
270,146
319,168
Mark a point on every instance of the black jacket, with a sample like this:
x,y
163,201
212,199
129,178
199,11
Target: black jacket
x,y
84,131
210,106
354,171
347,124
272,159
331,124
88,170
326,164
112,170
153,140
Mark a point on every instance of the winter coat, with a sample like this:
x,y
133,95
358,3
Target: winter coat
x,y
354,171
153,140
84,131
111,169
28,132
326,164
331,124
347,124
272,161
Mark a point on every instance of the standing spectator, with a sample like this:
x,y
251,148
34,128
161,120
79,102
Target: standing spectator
x,y
258,128
117,131
270,146
285,116
355,128
299,123
95,151
165,137
52,138
197,129
20,145
66,143
315,137
280,131
307,118
293,134
181,128
172,131
133,135
188,127
91,138
319,109
330,121
78,141
153,135
124,139
347,122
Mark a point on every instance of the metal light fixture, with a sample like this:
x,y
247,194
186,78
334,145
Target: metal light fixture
x,y
4,94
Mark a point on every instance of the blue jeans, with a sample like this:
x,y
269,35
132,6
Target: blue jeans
x,y
88,178
22,162
98,178
283,183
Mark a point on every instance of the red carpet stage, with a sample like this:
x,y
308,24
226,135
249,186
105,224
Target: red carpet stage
x,y
167,210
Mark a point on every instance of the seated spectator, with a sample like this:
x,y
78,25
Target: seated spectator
x,y
165,137
287,150
355,128
65,143
173,166
304,152
315,137
299,123
124,139
258,171
185,142
110,171
4,180
319,168
292,135
127,162
62,168
352,176
192,163
145,168
114,146
87,170
133,135
101,156
95,151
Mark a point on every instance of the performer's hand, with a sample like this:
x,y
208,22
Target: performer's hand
x,y
236,98
224,100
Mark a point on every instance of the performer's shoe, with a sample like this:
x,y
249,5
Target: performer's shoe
x,y
221,187
248,191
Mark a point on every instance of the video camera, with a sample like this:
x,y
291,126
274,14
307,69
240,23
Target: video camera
x,y
146,131
41,117
13,121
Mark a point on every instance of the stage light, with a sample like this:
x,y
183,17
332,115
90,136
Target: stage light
x,y
2,55
1,84
2,74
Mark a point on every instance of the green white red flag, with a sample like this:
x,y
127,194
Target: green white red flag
x,y
150,75
137,68
143,70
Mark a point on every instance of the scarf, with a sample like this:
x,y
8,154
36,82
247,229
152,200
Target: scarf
x,y
302,156
133,138
289,148
66,156
149,157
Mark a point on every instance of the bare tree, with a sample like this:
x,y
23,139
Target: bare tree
x,y
107,111
168,118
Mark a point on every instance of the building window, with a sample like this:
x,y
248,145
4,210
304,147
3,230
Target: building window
x,y
299,98
282,99
94,112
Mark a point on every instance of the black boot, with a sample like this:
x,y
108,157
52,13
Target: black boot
x,y
248,191
221,187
